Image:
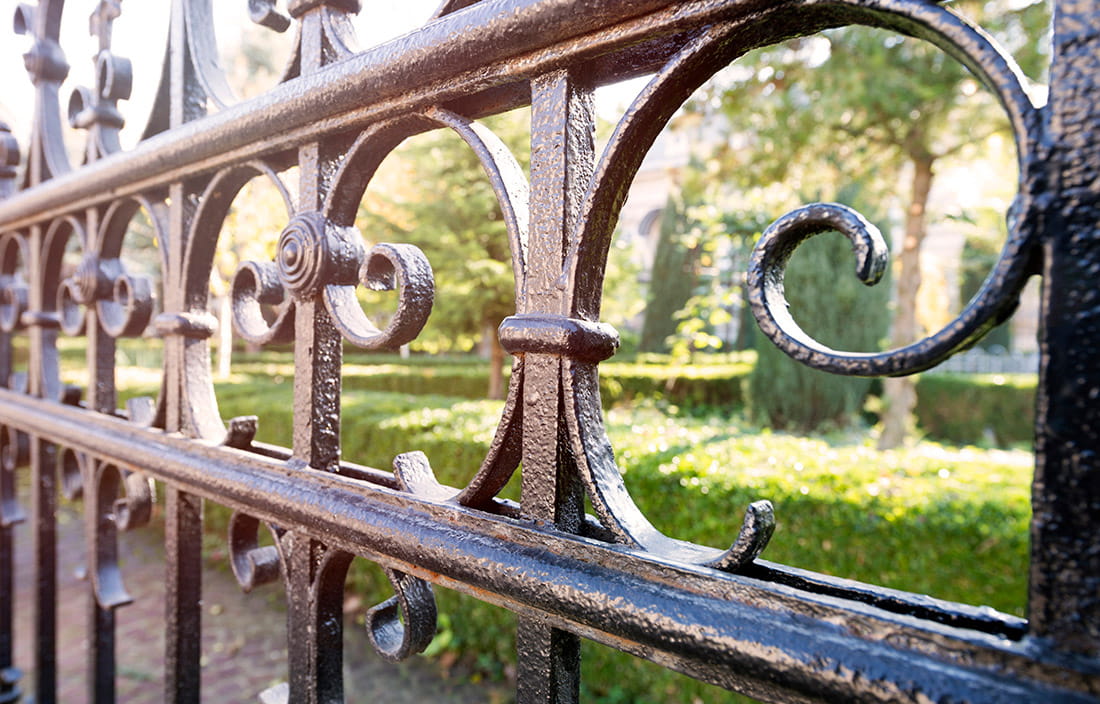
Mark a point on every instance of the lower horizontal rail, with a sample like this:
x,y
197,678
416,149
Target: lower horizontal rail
x,y
766,639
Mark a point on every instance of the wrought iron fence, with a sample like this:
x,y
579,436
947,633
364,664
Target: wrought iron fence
x,y
723,616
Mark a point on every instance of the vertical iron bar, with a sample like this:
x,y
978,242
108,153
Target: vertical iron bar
x,y
316,660
44,520
44,497
300,660
318,361
316,386
9,674
42,455
98,530
562,157
103,398
1064,599
101,620
318,345
183,573
183,519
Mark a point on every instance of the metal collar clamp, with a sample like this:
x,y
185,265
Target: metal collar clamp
x,y
556,334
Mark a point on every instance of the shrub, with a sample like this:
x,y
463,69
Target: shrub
x,y
977,408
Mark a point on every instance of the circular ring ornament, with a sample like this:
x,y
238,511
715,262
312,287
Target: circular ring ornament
x,y
14,293
254,285
302,255
129,308
311,256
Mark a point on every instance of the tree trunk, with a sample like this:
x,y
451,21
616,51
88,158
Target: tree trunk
x,y
496,361
900,394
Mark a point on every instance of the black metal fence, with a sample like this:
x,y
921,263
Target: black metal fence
x,y
725,617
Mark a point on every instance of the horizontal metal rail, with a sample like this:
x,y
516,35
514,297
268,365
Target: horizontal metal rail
x,y
398,77
726,629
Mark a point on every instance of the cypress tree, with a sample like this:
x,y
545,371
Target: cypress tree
x,y
672,280
979,256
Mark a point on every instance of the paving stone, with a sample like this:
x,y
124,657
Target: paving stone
x,y
244,635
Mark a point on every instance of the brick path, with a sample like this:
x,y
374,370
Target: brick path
x,y
244,635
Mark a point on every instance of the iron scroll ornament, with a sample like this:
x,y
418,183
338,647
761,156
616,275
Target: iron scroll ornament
x,y
999,294
992,305
398,627
714,47
124,302
315,259
509,184
215,202
583,343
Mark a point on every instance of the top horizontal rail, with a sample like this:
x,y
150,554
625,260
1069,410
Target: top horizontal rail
x,y
454,57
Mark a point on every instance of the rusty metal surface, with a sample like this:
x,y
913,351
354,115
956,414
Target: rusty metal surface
x,y
723,616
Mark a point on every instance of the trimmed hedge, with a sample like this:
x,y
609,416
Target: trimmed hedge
x,y
969,409
977,409
696,385
456,381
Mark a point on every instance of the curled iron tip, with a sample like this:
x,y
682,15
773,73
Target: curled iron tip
x,y
756,531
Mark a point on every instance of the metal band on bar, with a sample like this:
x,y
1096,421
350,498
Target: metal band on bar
x,y
197,326
556,334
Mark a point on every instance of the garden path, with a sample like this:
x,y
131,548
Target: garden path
x,y
244,635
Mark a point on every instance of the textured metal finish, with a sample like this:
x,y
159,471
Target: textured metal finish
x,y
724,616
1064,601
